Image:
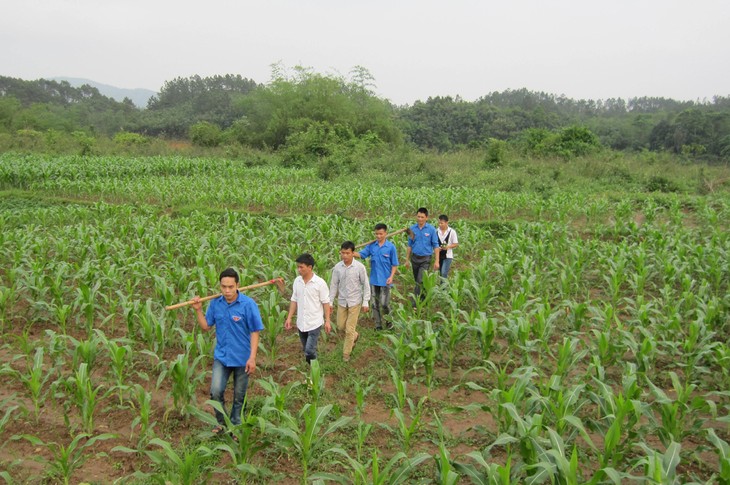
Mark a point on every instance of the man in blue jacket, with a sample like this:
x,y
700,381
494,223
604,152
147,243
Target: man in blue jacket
x,y
423,244
383,265
237,321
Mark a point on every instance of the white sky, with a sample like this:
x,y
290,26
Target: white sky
x,y
587,49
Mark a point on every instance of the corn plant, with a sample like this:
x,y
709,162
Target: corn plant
x,y
396,471
307,442
83,395
66,460
399,350
119,353
142,402
444,464
86,304
451,332
186,377
723,455
273,317
151,328
244,442
485,330
680,416
486,471
662,468
7,300
188,467
406,425
34,379
425,348
278,398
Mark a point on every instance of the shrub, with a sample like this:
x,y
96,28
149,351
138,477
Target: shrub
x,y
205,134
659,183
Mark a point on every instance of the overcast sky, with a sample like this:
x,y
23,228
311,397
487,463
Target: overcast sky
x,y
414,49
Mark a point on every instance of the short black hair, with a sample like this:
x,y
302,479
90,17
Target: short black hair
x,y
228,273
422,210
444,217
306,259
348,245
380,226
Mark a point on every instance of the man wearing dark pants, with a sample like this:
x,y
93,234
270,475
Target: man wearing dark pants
x,y
237,321
311,302
383,265
423,244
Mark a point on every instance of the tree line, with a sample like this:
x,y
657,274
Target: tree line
x,y
305,116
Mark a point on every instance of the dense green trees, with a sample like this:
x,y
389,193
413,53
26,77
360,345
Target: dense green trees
x,y
333,120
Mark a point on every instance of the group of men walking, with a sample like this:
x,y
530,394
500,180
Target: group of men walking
x,y
238,322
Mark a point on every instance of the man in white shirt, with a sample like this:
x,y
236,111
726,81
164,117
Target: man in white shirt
x,y
311,302
448,240
350,288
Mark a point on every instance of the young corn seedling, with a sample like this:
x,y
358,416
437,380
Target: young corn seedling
x,y
189,467
452,332
34,379
680,417
662,468
83,395
244,442
119,356
396,471
309,442
142,403
485,330
723,455
444,464
186,377
425,347
66,460
485,470
273,317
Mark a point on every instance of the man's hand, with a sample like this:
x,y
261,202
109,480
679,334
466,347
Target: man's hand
x,y
327,326
389,281
287,323
250,366
196,303
365,308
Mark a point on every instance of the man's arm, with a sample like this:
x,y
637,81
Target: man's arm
x,y
251,364
292,310
365,288
199,316
327,312
393,269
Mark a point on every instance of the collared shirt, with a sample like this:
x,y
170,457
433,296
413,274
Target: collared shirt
x,y
424,240
310,297
234,323
382,260
453,239
349,284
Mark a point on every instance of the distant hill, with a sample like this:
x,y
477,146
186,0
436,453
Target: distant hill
x,y
139,96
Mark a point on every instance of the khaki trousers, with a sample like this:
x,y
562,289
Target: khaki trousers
x,y
347,321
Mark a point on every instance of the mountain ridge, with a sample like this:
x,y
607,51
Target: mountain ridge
x,y
139,96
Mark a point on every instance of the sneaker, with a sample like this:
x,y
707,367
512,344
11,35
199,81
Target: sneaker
x,y
345,358
357,337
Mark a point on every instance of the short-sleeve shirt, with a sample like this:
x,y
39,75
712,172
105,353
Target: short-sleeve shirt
x,y
310,297
424,240
234,323
382,260
452,239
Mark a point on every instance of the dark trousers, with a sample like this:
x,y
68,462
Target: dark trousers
x,y
419,264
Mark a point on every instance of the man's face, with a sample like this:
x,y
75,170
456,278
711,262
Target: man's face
x,y
304,270
443,225
346,255
380,235
421,218
228,288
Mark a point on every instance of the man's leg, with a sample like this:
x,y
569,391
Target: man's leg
x,y
218,387
350,330
310,347
385,305
377,316
419,270
341,317
444,267
303,337
240,384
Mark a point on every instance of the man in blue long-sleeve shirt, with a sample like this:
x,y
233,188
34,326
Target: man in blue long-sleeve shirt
x,y
422,246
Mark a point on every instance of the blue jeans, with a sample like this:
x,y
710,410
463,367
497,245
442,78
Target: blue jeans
x,y
218,384
444,267
309,343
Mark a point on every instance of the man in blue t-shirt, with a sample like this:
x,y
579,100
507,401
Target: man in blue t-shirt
x,y
423,244
383,265
237,321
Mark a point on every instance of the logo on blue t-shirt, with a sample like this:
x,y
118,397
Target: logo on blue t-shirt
x,y
236,318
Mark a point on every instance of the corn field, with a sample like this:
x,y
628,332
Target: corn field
x,y
581,337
